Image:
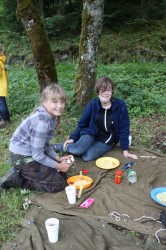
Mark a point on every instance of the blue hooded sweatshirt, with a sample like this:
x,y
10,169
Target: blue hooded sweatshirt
x,y
87,123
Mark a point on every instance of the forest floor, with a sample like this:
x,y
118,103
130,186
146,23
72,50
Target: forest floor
x,y
150,132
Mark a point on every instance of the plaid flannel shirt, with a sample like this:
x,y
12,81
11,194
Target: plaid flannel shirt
x,y
32,138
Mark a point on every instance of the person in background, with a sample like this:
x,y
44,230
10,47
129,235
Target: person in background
x,y
4,112
36,165
104,123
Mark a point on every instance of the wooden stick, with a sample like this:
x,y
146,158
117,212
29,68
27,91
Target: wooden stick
x,y
147,156
80,191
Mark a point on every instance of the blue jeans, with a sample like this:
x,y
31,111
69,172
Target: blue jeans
x,y
88,148
4,112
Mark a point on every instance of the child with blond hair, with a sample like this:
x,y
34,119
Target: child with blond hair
x,y
36,165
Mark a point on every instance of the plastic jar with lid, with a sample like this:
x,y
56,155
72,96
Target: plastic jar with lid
x,y
118,177
132,176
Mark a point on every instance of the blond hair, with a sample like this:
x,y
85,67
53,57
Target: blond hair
x,y
53,91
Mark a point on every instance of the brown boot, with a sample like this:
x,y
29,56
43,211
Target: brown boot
x,y
8,179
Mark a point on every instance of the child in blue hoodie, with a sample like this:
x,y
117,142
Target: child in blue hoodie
x,y
104,123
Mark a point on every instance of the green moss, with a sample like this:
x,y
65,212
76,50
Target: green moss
x,y
44,60
88,52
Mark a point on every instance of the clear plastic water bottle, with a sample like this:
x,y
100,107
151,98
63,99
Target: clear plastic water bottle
x,y
132,176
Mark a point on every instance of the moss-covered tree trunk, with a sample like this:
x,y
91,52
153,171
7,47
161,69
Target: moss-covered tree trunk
x,y
41,8
34,28
92,22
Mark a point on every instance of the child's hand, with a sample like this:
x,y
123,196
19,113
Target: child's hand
x,y
67,158
128,155
63,166
67,142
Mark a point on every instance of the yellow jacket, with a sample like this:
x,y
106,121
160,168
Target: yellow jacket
x,y
3,77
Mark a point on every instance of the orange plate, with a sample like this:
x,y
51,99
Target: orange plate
x,y
73,179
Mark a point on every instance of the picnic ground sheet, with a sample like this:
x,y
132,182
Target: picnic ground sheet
x,y
118,209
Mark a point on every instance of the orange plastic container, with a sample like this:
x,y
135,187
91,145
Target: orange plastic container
x,y
73,179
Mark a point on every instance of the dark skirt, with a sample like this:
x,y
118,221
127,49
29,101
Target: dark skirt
x,y
35,176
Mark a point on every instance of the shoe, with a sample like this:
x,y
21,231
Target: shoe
x,y
58,147
8,179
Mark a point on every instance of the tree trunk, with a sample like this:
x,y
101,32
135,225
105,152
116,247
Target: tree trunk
x,y
34,28
92,22
41,8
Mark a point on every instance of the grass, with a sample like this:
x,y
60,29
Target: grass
x,y
134,83
11,212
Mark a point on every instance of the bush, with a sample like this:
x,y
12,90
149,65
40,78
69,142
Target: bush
x,y
23,90
141,86
58,25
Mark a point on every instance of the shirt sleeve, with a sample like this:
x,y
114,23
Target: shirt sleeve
x,y
42,152
49,150
124,124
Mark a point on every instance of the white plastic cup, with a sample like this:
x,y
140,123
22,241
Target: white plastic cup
x,y
52,227
71,194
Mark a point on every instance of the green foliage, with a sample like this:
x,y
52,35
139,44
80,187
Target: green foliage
x,y
63,17
131,39
137,23
23,90
131,44
8,16
11,203
142,86
67,76
134,13
54,25
58,25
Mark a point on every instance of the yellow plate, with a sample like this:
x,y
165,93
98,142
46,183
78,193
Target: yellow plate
x,y
107,162
79,181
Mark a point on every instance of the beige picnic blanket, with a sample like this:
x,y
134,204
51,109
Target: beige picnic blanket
x,y
123,216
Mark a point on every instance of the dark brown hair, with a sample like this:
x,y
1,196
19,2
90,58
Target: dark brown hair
x,y
104,83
